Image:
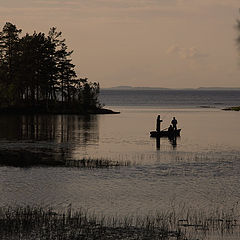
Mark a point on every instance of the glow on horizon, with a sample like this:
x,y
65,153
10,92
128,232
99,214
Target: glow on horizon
x,y
149,43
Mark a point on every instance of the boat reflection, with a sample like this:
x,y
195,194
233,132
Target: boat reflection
x,y
172,140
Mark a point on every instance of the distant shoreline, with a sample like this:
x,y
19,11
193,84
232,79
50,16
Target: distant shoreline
x,y
129,88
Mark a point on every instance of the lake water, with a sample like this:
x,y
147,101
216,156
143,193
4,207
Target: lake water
x,y
202,168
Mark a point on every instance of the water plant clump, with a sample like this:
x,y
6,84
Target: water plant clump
x,y
95,163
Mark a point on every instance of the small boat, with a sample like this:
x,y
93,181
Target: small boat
x,y
165,133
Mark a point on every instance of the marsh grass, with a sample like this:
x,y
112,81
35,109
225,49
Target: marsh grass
x,y
24,223
23,158
37,223
96,163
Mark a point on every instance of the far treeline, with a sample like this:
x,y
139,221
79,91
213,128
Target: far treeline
x,y
37,75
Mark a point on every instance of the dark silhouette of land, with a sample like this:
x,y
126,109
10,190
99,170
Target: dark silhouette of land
x,y
163,88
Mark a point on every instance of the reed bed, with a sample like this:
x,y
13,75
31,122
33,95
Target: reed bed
x,y
215,222
23,158
37,223
96,163
25,223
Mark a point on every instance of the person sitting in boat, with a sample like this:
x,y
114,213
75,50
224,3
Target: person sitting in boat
x,y
170,129
174,123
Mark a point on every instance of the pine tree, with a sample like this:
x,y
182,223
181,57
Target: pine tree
x,y
9,52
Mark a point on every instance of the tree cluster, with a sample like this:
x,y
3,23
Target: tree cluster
x,y
36,70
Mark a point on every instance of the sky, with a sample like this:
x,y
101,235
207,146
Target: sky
x,y
147,43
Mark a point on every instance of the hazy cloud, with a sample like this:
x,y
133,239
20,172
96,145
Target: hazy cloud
x,y
185,53
112,9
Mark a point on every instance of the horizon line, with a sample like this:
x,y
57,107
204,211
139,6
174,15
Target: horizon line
x,y
170,88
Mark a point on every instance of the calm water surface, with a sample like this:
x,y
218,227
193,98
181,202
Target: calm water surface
x,y
201,169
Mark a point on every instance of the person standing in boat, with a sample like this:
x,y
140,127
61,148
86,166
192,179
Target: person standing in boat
x,y
158,123
174,123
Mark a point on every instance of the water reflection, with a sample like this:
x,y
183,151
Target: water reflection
x,y
158,143
64,133
203,170
172,140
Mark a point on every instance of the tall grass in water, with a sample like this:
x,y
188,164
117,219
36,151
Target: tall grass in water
x,y
23,158
95,163
38,223
213,223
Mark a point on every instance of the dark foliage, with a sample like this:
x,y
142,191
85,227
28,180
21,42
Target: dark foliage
x,y
36,71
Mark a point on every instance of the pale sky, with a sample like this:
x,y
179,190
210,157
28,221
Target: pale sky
x,y
152,43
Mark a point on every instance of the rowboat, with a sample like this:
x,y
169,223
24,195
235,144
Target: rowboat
x,y
165,133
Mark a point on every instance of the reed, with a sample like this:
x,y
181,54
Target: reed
x,y
24,223
37,223
23,158
96,163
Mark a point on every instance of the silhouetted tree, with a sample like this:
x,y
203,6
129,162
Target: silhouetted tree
x,y
9,52
36,67
37,70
